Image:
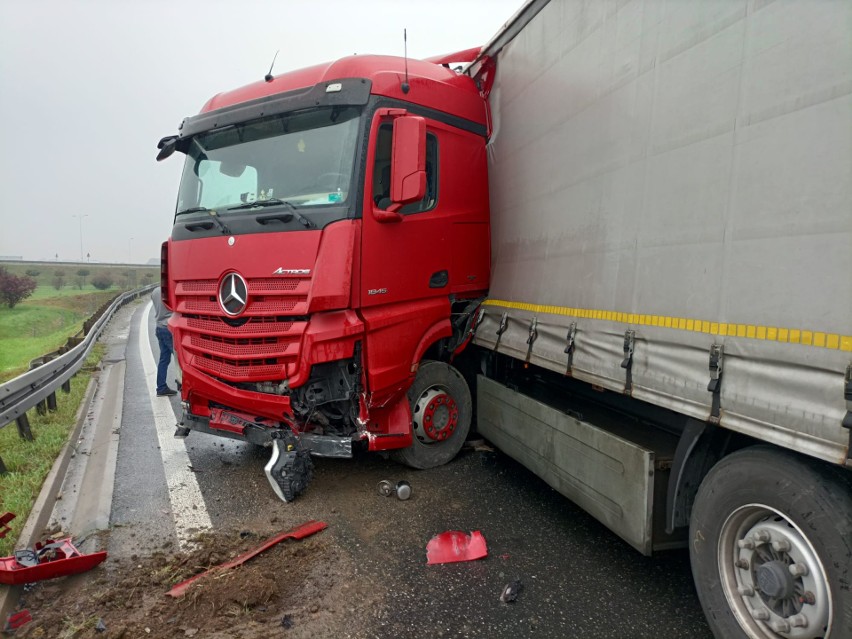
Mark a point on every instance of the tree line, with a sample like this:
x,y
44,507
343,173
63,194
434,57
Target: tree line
x,y
16,288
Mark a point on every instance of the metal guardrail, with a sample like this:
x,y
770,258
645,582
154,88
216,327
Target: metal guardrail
x,y
33,387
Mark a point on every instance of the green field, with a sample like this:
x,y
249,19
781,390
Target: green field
x,y
42,324
57,309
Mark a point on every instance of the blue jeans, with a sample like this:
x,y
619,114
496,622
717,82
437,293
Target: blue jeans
x,y
164,337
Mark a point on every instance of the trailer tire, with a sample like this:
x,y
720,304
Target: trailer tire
x,y
441,411
771,546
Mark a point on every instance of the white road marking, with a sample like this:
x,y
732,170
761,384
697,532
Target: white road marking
x,y
188,508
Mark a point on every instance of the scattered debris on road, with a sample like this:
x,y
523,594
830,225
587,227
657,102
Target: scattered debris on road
x,y
305,581
478,446
18,619
46,560
454,545
385,488
300,532
511,591
402,489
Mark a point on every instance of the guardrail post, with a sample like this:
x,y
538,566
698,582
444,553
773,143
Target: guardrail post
x,y
3,469
66,386
24,431
51,402
41,408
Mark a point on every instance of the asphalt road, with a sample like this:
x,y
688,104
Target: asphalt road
x,y
579,580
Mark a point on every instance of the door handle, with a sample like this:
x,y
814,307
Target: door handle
x,y
439,279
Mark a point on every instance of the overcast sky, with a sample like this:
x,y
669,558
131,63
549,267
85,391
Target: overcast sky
x,y
88,87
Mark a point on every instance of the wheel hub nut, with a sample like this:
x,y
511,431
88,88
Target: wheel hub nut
x,y
761,614
782,545
798,621
798,570
780,625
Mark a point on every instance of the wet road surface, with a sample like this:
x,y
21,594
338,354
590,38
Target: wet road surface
x,y
579,579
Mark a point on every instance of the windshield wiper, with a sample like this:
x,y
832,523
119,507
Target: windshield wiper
x,y
213,214
273,201
194,209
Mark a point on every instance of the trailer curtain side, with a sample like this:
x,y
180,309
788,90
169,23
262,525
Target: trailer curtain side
x,y
671,183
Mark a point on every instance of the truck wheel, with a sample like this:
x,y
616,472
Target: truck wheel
x,y
771,547
440,413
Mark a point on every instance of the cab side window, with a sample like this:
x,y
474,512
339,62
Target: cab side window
x,y
382,173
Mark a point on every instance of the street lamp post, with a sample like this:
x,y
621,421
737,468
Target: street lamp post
x,y
80,218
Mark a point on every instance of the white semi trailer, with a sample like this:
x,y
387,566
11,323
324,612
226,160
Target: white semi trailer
x,y
668,335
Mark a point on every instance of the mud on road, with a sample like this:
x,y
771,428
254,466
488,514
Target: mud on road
x,y
298,587
366,574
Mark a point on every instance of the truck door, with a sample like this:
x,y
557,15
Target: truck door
x,y
405,263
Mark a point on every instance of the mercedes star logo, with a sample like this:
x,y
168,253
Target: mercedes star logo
x,y
233,294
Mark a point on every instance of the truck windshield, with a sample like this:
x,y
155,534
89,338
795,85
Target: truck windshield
x,y
301,159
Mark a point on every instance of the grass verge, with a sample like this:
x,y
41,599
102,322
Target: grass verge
x,y
29,463
42,324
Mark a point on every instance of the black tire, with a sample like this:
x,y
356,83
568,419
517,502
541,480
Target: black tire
x,y
758,512
438,391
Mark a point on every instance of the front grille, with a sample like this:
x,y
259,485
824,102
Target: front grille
x,y
257,304
261,344
276,284
197,286
254,325
265,346
239,370
198,305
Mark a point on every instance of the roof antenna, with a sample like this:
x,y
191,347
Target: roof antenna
x,y
405,86
268,76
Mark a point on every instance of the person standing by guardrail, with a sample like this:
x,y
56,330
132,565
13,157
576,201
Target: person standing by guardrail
x,y
164,338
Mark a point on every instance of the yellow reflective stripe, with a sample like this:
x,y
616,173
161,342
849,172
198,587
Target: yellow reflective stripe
x,y
819,339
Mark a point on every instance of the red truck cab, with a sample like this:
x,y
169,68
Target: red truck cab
x,y
329,250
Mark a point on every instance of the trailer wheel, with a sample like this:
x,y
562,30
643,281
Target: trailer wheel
x,y
771,547
440,413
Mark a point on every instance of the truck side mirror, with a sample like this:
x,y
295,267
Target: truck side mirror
x,y
408,160
407,165
167,146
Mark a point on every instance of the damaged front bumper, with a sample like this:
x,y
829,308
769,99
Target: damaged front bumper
x,y
240,426
290,469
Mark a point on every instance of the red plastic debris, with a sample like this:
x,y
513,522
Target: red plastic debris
x,y
454,545
47,560
18,619
300,532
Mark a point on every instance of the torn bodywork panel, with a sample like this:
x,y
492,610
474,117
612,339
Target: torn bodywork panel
x,y
300,532
47,560
453,546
